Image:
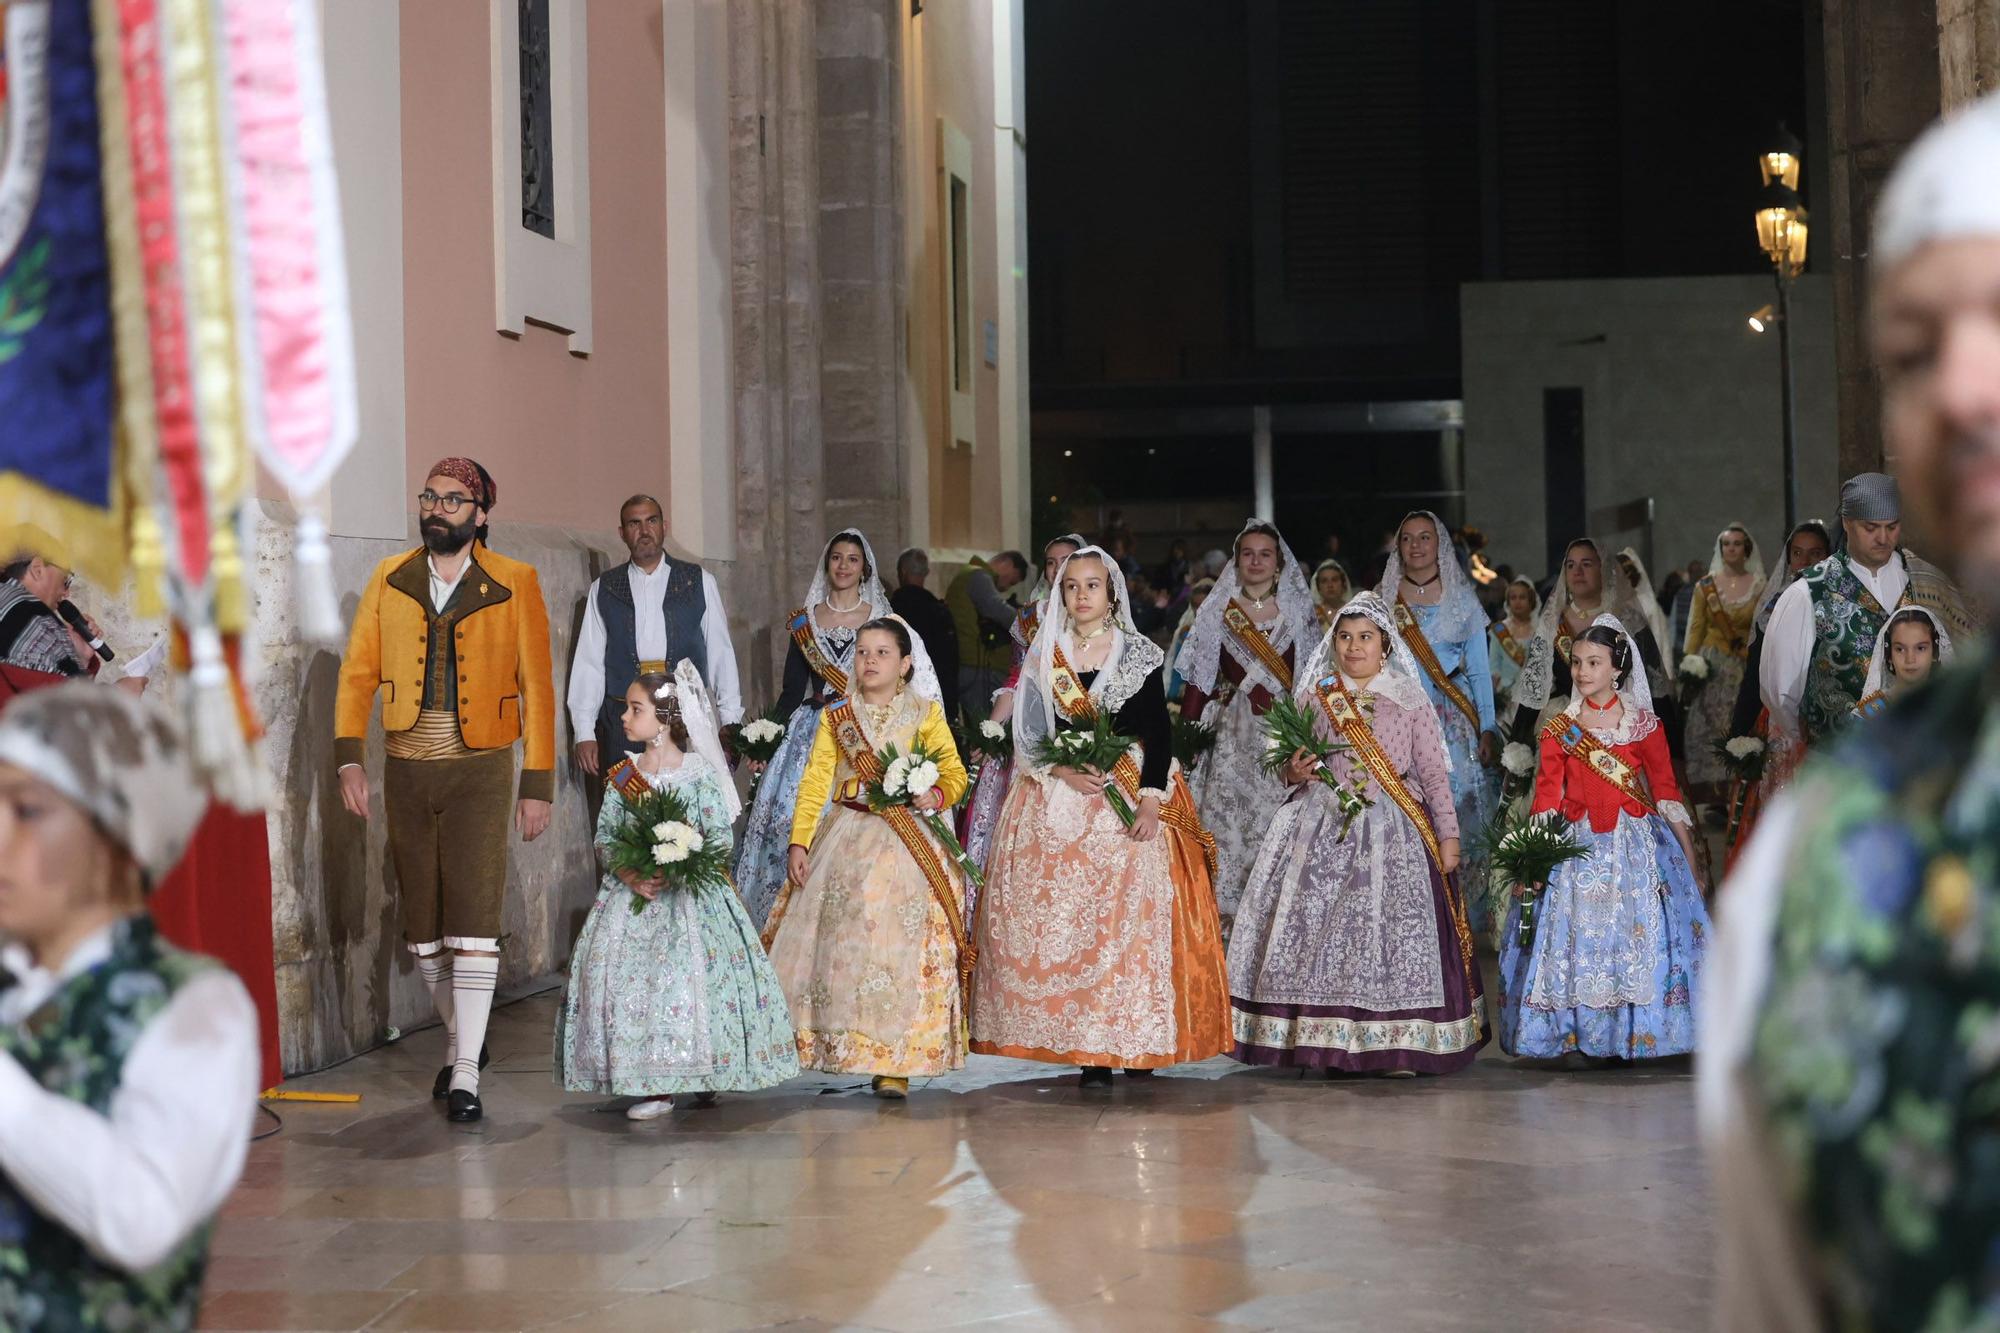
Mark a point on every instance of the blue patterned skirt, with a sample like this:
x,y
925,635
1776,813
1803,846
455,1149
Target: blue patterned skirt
x,y
760,854
1615,967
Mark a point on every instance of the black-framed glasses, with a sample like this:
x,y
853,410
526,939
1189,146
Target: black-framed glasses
x,y
443,504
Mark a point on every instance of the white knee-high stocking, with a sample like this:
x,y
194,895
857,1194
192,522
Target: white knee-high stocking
x,y
435,969
472,981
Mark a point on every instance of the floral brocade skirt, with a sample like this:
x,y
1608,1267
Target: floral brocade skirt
x,y
980,817
867,957
676,998
1615,966
1351,952
1235,795
767,834
1096,948
1708,721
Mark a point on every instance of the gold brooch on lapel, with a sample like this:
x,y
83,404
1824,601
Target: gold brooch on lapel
x,y
482,590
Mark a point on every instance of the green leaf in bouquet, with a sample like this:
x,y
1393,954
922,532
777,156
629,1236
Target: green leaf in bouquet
x,y
693,860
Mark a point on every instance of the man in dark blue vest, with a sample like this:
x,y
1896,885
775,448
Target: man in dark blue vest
x,y
645,615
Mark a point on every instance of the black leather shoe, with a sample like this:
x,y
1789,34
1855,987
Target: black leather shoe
x,y
442,1084
1094,1076
463,1108
1139,1073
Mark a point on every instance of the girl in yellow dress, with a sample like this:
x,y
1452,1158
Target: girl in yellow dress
x,y
868,938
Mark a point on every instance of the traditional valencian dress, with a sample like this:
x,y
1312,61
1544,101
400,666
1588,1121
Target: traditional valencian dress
x,y
1095,948
1448,644
1719,632
989,789
870,948
1234,667
816,667
677,997
1351,949
1614,968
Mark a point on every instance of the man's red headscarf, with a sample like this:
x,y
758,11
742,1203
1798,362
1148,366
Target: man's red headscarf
x,y
469,475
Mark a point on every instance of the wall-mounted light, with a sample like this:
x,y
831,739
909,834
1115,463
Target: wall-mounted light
x,y
1763,318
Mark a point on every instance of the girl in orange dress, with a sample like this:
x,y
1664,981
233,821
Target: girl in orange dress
x,y
1098,945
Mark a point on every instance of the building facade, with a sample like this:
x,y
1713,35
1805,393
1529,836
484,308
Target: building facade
x,y
700,249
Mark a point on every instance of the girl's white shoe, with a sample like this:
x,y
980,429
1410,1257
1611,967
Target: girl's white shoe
x,y
650,1109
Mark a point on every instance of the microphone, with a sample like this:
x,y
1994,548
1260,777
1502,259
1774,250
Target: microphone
x,y
77,621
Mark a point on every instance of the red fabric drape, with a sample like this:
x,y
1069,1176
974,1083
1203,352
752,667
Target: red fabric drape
x,y
218,900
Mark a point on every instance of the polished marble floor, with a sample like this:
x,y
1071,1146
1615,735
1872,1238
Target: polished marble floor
x,y
1505,1197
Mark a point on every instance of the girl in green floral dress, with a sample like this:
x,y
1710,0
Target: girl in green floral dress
x,y
679,997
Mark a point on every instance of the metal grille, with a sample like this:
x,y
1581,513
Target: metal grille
x,y
538,184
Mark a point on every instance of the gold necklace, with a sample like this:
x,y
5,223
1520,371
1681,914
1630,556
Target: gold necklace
x,y
1103,628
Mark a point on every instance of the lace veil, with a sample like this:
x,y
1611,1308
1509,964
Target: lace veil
x,y
1460,616
1200,659
1133,658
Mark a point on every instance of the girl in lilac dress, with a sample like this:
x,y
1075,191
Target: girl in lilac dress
x,y
1351,950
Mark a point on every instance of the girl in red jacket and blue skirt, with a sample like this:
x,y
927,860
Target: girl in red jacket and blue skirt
x,y
1613,964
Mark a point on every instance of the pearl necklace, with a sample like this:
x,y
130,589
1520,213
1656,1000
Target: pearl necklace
x,y
838,609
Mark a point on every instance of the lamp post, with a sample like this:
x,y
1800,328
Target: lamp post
x,y
1781,233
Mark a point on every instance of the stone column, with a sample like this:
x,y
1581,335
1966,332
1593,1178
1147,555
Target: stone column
x,y
862,284
1968,34
774,223
1882,88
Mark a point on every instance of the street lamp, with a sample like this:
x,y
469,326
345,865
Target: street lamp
x,y
1781,234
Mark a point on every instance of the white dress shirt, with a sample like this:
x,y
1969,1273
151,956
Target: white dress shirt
x,y
1788,638
441,587
649,624
133,1184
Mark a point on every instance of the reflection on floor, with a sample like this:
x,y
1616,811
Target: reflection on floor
x,y
1504,1197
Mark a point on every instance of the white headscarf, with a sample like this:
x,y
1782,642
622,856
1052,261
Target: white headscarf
x,y
1537,679
1636,693
703,730
1459,615
1879,671
1399,679
1647,603
1014,630
1132,659
923,676
1200,659
1945,186
1753,562
872,594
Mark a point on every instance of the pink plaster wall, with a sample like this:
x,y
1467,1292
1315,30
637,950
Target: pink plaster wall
x,y
566,438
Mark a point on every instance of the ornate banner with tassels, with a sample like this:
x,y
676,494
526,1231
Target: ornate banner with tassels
x,y
172,308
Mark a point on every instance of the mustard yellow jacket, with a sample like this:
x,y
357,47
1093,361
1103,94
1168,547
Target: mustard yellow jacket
x,y
506,689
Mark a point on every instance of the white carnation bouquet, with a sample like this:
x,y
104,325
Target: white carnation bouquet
x,y
758,740
659,838
1744,757
1693,678
904,778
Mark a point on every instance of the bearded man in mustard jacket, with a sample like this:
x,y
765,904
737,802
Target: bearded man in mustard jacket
x,y
456,641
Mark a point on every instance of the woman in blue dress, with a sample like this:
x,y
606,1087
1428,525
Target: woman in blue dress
x,y
1613,965
1440,618
677,997
846,593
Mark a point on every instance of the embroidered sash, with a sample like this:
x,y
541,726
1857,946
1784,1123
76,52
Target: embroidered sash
x,y
1718,616
1251,635
1177,812
1029,621
1427,657
1512,647
1578,742
628,780
1871,705
808,642
861,757
1344,712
